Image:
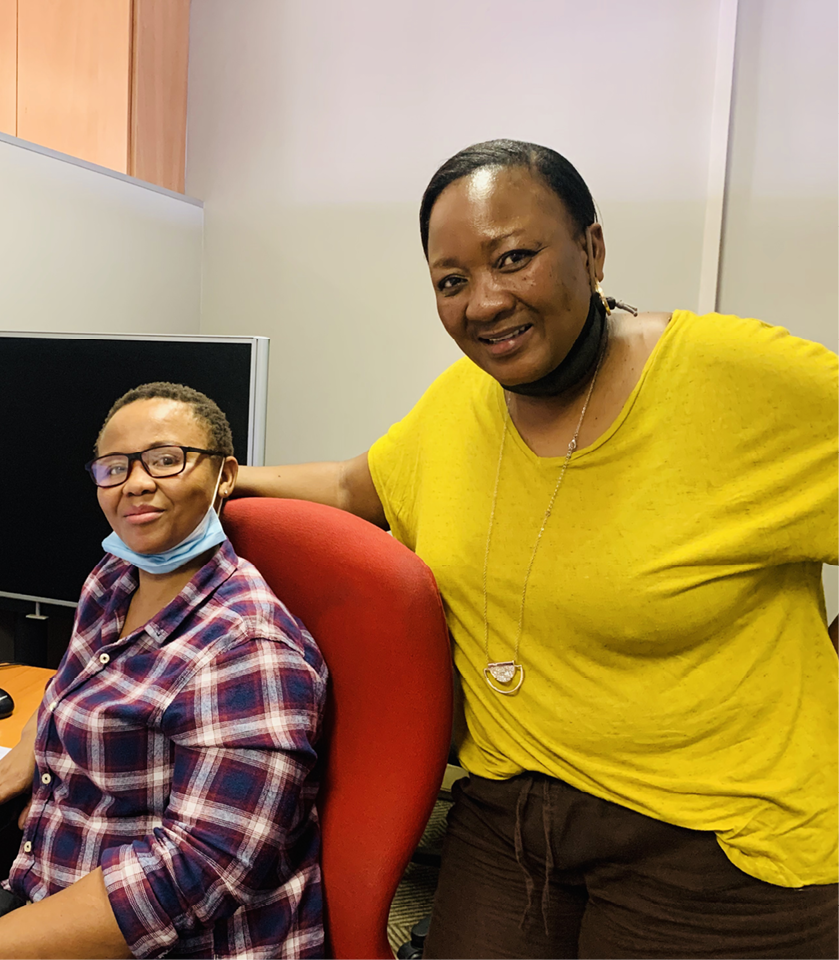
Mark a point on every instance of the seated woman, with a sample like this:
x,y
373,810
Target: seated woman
x,y
173,754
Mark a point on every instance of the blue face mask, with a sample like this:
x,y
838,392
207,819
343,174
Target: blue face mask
x,y
207,534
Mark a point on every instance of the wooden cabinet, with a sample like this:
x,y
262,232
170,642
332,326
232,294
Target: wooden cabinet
x,y
8,65
73,73
102,80
157,135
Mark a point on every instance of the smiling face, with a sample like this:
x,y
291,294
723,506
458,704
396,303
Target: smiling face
x,y
152,515
511,272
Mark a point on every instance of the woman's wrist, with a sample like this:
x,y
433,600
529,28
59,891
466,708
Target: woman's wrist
x,y
16,771
18,766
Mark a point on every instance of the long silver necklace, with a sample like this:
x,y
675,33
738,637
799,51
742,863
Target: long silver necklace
x,y
505,671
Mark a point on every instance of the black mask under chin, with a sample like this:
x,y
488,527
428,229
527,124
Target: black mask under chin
x,y
579,362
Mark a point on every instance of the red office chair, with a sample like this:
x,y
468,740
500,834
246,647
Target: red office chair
x,y
374,610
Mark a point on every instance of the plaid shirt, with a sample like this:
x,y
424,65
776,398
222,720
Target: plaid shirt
x,y
180,759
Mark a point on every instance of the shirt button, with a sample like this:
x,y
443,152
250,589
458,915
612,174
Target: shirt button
x,y
27,847
104,658
53,705
46,778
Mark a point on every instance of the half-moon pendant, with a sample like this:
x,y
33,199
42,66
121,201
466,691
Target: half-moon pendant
x,y
503,671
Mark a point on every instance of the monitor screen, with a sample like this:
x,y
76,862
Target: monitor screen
x,y
54,394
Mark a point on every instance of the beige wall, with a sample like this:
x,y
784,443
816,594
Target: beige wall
x,y
780,256
84,251
313,129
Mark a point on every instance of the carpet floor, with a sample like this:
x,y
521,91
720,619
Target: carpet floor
x,y
415,893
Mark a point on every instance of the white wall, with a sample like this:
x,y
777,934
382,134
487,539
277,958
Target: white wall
x,y
85,250
314,128
780,255
780,251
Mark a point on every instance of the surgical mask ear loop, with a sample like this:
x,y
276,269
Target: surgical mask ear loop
x,y
215,491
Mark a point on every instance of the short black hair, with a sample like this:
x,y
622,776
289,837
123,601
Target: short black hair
x,y
549,166
205,410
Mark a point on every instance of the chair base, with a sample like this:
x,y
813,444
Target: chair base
x,y
412,950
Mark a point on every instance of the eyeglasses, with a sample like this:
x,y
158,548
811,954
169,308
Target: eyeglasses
x,y
113,469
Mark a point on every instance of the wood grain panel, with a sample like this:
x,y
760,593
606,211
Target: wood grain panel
x,y
26,686
74,61
8,66
158,92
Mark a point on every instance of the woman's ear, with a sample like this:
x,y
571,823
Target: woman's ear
x,y
596,249
229,473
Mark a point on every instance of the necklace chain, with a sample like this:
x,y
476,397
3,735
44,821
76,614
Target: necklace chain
x,y
504,671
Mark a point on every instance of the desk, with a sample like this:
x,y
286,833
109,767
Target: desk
x,y
26,686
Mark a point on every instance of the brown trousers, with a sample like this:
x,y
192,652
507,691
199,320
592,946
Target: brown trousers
x,y
535,868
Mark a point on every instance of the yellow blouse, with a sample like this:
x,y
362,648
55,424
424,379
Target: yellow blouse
x,y
674,641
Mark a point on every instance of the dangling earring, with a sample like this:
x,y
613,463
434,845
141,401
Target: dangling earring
x,y
603,298
610,303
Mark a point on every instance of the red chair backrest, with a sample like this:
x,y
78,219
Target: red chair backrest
x,y
375,612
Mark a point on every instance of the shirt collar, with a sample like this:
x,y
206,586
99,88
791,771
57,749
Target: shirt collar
x,y
218,569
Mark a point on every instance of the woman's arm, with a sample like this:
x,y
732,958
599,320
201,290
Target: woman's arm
x,y
237,825
345,484
17,768
77,922
240,786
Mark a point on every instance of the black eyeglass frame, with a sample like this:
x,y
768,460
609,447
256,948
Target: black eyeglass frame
x,y
139,456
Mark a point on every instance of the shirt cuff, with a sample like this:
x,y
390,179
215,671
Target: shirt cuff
x,y
147,928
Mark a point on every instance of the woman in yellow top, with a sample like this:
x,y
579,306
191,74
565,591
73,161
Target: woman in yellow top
x,y
627,517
